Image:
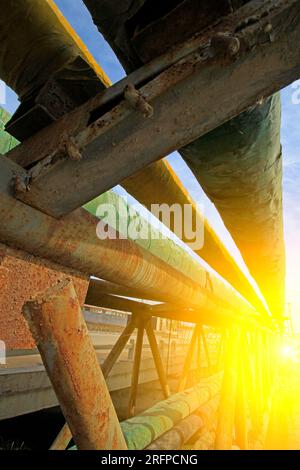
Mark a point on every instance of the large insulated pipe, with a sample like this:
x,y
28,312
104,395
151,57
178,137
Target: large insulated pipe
x,y
36,41
60,332
238,165
72,241
36,29
198,423
151,425
170,190
162,248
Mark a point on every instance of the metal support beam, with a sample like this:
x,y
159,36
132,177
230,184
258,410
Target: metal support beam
x,y
56,322
136,370
244,51
157,359
64,437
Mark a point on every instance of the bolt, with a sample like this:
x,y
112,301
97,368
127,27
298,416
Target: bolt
x,y
136,101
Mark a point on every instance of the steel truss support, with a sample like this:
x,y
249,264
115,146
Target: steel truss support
x,y
246,390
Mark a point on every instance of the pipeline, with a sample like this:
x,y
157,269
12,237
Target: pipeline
x,y
59,46
239,166
162,249
169,190
7,142
147,430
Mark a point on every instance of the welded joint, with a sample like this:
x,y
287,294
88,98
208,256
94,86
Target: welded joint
x,y
137,101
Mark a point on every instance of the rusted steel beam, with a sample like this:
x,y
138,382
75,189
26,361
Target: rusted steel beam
x,y
58,327
251,69
72,241
157,359
136,369
168,187
205,345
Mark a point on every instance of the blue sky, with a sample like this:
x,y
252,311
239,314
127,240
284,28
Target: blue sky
x,y
79,17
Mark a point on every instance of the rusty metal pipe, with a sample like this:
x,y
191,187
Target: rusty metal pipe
x,y
56,322
136,370
72,241
64,437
